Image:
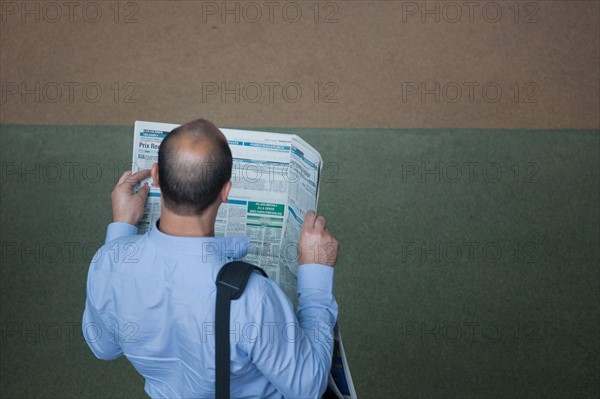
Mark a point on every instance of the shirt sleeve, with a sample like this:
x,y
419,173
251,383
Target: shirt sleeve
x,y
102,341
119,229
295,350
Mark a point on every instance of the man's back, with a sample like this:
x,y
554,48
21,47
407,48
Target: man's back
x,y
153,299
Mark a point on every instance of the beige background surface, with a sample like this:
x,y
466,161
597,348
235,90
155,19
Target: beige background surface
x,y
154,62
159,60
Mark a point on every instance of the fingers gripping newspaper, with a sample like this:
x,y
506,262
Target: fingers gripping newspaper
x,y
275,181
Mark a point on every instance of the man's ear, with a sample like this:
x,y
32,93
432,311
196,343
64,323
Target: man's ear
x,y
225,191
154,174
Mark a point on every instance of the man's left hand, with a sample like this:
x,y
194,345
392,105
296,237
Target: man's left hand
x,y
127,206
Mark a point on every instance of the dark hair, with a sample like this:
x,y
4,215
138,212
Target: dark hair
x,y
190,186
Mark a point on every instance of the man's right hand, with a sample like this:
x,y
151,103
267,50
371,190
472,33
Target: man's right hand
x,y
316,244
127,206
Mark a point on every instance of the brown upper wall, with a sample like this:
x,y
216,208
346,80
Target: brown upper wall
x,y
282,64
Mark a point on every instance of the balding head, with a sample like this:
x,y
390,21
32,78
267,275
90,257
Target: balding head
x,y
194,163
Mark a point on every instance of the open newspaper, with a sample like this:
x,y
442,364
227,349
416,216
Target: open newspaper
x,y
275,181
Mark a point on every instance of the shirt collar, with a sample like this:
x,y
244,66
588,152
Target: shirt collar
x,y
212,248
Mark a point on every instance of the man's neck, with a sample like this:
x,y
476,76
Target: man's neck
x,y
187,226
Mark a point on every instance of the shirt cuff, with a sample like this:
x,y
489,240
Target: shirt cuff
x,y
315,276
120,229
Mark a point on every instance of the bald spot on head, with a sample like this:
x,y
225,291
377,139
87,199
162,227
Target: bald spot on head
x,y
193,148
196,148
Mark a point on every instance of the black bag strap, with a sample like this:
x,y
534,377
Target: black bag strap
x,y
231,282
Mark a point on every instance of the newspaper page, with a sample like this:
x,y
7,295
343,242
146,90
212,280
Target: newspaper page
x,y
275,181
340,380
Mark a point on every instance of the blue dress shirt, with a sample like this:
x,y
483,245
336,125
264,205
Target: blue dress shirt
x,y
151,297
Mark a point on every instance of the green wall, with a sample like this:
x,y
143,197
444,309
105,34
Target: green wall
x,y
483,284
